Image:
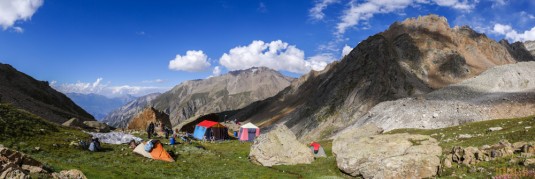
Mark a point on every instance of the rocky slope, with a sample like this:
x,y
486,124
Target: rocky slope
x,y
230,91
501,92
411,58
120,117
98,105
37,97
530,46
520,50
143,119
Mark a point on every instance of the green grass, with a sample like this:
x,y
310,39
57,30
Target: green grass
x,y
513,131
227,159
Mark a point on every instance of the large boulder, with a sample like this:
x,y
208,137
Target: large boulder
x,y
97,126
390,156
74,122
279,146
340,141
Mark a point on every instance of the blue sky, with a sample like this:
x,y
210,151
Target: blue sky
x,y
112,47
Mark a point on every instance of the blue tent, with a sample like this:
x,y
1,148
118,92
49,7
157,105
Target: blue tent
x,y
210,128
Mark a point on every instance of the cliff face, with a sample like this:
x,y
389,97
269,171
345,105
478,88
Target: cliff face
x,y
231,91
411,58
530,46
37,97
143,119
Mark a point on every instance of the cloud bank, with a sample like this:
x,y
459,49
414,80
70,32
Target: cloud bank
x,y
15,10
98,87
277,55
361,11
512,34
193,61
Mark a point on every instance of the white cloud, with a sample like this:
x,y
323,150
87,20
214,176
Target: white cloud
x,y
98,87
316,12
276,55
153,81
320,61
512,34
193,61
80,87
362,12
14,10
133,90
18,29
216,71
346,50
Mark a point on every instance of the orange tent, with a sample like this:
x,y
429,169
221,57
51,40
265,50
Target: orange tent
x,y
159,153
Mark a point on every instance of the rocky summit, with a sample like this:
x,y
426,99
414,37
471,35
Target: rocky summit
x,y
230,91
411,58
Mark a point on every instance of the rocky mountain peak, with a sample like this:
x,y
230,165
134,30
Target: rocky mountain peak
x,y
411,58
253,70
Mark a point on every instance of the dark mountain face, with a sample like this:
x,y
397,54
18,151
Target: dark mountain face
x,y
98,105
37,97
411,58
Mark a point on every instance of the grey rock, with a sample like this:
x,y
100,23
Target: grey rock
x,y
279,146
97,126
391,156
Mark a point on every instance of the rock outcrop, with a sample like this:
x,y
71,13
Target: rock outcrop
x,y
142,120
74,122
530,46
279,146
97,126
390,156
519,50
37,97
472,155
120,118
411,58
502,92
14,164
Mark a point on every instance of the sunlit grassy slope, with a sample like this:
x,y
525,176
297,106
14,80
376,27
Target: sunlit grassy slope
x,y
24,131
220,160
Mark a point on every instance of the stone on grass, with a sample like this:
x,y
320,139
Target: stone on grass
x,y
279,146
390,156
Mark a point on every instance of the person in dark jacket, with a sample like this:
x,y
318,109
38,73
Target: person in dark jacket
x,y
150,130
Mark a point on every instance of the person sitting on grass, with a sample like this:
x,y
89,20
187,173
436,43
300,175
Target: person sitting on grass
x,y
95,145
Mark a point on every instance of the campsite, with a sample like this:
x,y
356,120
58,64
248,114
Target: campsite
x,y
325,89
226,159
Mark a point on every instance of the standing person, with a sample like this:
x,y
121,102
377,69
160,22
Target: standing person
x,y
166,130
150,130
